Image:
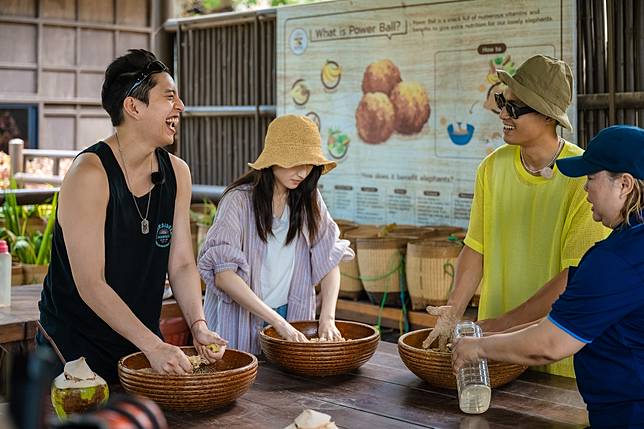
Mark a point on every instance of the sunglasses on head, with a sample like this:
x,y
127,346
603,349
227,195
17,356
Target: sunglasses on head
x,y
155,66
511,107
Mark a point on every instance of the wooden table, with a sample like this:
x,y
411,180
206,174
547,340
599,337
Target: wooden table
x,y
18,322
381,394
384,394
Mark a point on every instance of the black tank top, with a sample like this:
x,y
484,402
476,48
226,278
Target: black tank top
x,y
135,267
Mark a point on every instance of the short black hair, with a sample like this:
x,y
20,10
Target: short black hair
x,y
120,75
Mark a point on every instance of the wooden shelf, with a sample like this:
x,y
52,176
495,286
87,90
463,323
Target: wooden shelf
x,y
365,312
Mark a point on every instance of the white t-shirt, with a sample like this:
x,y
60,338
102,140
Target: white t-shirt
x,y
277,269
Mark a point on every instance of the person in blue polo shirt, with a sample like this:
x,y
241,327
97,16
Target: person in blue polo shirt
x,y
600,315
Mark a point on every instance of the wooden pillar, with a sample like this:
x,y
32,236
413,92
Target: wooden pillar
x,y
15,153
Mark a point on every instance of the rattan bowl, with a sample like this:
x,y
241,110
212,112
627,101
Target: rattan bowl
x,y
321,358
214,386
436,367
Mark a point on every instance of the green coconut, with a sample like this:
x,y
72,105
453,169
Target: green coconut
x,y
77,389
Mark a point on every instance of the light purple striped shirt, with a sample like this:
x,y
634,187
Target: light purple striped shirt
x,y
233,244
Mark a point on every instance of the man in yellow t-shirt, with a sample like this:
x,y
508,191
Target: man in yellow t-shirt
x,y
528,222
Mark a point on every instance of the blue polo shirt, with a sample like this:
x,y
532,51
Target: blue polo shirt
x,y
603,306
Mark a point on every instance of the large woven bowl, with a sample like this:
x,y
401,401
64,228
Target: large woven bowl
x,y
321,358
436,367
219,385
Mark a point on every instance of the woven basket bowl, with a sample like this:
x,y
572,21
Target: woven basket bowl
x,y
321,358
219,385
436,367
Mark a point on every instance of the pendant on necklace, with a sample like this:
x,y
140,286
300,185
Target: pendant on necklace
x,y
145,226
546,172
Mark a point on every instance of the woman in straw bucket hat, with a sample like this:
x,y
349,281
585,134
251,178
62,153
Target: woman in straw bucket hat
x,y
272,241
528,222
600,315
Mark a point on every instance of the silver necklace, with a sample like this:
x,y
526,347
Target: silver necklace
x,y
545,172
145,224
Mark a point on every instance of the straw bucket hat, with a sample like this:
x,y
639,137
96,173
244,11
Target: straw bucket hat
x,y
545,84
292,140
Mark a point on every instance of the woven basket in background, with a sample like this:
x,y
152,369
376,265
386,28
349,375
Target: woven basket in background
x,y
379,262
430,271
350,284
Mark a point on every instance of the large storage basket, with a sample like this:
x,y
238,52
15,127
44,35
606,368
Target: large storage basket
x,y
380,261
350,283
430,271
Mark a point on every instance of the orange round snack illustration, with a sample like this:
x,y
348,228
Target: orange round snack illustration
x,y
411,105
380,76
375,117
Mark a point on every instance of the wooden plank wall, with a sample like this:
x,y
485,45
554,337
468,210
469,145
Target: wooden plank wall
x,y
613,72
218,57
227,81
53,54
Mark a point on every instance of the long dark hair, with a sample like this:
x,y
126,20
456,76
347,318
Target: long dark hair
x,y
302,202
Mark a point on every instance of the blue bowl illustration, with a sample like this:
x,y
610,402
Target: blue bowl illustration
x,y
460,136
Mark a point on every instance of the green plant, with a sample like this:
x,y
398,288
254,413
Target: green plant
x,y
205,216
27,247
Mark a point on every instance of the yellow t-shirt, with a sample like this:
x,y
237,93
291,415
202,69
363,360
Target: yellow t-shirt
x,y
528,229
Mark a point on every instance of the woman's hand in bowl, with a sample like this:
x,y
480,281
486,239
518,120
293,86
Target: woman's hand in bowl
x,y
289,333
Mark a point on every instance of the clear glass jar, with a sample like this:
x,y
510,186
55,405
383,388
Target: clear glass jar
x,y
473,380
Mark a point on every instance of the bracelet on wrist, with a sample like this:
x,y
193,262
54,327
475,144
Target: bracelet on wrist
x,y
196,321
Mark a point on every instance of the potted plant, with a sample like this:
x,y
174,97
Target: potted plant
x,y
29,245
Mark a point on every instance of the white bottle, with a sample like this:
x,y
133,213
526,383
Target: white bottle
x,y
473,380
5,275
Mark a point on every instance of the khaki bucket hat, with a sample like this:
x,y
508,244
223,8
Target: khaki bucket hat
x,y
545,84
292,140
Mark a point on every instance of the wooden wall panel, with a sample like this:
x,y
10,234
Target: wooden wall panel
x,y
91,130
58,84
96,11
23,35
89,85
96,48
79,39
60,132
18,7
624,22
135,13
60,9
59,46
129,40
18,81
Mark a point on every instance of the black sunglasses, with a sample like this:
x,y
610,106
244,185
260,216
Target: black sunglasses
x,y
511,107
155,66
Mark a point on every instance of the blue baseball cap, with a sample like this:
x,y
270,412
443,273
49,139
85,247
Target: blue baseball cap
x,y
619,149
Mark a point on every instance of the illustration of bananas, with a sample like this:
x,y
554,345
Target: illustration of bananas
x,y
300,92
331,74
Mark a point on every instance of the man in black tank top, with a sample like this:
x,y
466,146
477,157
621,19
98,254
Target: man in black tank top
x,y
122,225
